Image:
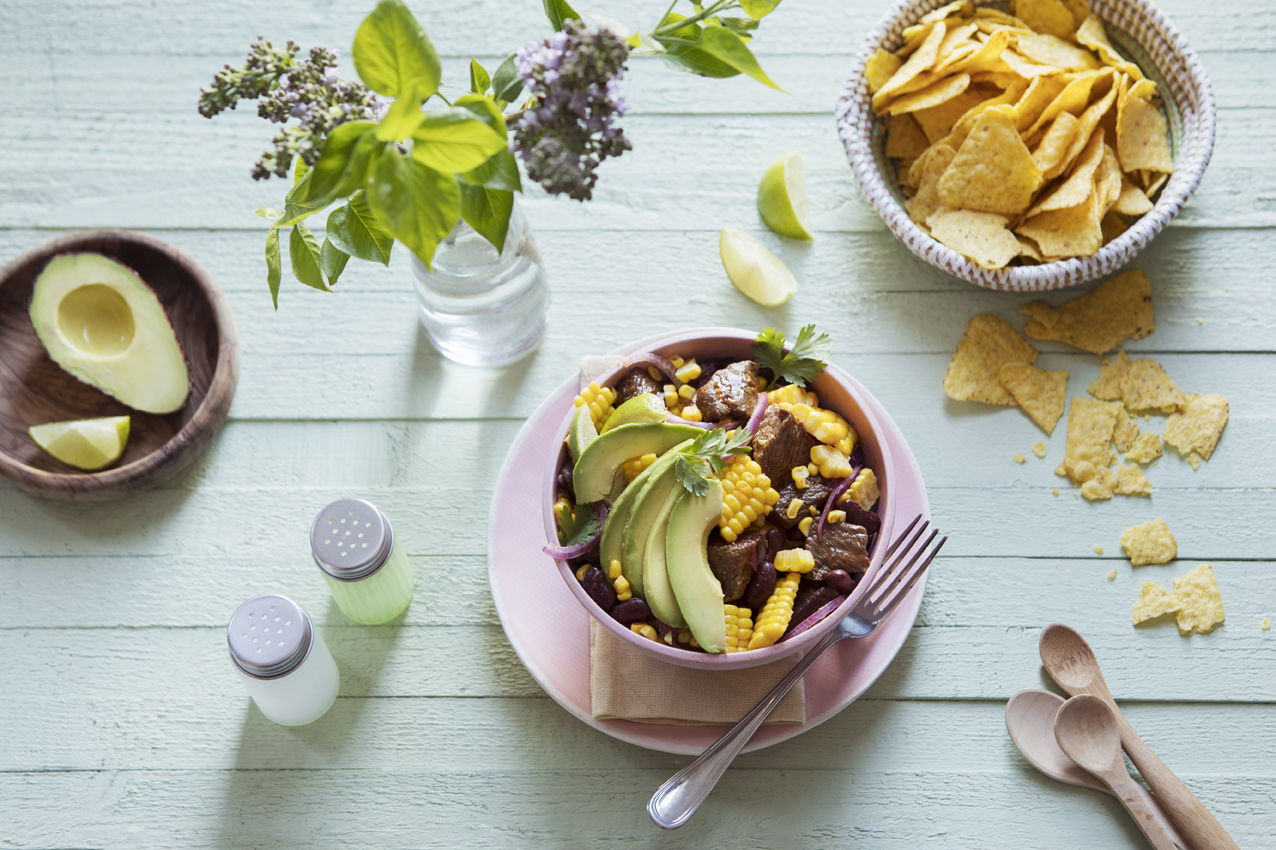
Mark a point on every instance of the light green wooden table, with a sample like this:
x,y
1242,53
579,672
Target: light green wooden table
x,y
121,723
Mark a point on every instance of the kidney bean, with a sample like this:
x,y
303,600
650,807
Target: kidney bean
x,y
600,589
774,543
760,588
631,611
811,599
840,580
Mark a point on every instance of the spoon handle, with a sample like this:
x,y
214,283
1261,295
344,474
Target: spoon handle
x,y
1127,791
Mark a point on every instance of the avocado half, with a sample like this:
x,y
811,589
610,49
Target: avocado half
x,y
99,321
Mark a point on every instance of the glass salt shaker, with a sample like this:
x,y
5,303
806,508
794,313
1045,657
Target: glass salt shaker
x,y
353,545
283,660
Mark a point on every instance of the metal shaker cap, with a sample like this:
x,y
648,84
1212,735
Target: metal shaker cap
x,y
269,636
351,539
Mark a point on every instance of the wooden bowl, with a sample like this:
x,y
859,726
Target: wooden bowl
x,y
35,390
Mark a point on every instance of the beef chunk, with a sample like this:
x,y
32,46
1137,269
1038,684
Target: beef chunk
x,y
780,444
811,597
733,562
817,490
635,383
731,393
844,546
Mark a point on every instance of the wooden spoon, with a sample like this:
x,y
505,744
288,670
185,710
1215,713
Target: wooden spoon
x,y
1071,663
1086,730
1030,717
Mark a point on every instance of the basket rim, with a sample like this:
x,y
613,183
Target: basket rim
x,y
854,118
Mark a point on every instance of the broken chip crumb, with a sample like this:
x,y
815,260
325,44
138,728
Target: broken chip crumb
x,y
1146,448
1090,425
1198,425
1149,543
1202,603
1054,491
1039,449
1100,320
988,344
1019,457
1098,550
1124,432
1266,624
1154,601
1145,386
1100,487
1131,482
1195,460
1199,320
1112,575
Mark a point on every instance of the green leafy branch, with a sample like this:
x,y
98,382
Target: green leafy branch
x,y
707,455
802,363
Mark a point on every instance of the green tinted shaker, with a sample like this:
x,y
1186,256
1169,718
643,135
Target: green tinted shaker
x,y
354,547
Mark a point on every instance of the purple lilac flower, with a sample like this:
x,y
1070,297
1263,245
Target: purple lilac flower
x,y
568,129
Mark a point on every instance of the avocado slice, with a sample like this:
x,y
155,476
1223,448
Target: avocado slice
x,y
697,589
581,432
647,521
595,471
660,596
99,321
611,546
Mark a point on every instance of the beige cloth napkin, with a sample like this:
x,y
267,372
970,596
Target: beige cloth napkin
x,y
625,684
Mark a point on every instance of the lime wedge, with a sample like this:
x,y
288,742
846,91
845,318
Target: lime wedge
x,y
782,199
754,270
87,444
645,407
581,432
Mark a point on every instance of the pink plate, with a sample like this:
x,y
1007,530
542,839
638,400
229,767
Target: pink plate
x,y
528,593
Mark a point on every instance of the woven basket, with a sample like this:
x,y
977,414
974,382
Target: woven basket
x,y
1138,29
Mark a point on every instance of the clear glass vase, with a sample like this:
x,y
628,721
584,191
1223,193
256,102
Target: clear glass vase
x,y
479,307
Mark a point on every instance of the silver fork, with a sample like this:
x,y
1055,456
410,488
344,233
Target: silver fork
x,y
677,800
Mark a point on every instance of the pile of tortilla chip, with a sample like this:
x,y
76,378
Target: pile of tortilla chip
x,y
1021,136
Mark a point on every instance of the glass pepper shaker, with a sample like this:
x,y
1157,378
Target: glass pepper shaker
x,y
353,545
283,660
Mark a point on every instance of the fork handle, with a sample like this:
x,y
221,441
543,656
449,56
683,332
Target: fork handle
x,y
682,794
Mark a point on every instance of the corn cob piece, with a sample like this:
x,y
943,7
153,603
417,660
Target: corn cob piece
x,y
635,465
863,490
831,462
776,613
749,495
598,400
739,628
794,561
793,394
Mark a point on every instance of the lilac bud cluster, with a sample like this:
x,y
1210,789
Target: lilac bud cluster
x,y
309,90
568,128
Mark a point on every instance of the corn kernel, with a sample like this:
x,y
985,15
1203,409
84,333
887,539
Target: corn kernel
x,y
684,636
598,400
801,475
654,373
677,361
646,630
762,382
580,574
837,516
691,413
613,569
688,372
794,561
623,592
793,394
805,525
687,391
748,498
671,396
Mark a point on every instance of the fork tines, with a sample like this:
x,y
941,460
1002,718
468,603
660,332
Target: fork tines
x,y
898,577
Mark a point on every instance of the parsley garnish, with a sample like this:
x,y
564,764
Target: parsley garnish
x,y
578,525
805,360
708,450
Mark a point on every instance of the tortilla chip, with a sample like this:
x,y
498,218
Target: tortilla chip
x,y
1132,200
1154,182
988,344
1100,320
1070,232
934,95
1092,34
1197,427
921,60
1071,99
1149,543
1154,601
1202,603
1040,393
1108,385
925,174
982,237
1090,425
904,137
1146,448
1051,50
959,7
1047,16
1041,92
879,68
1054,144
1086,125
1145,386
1132,482
987,58
1100,487
1125,432
993,171
956,39
937,121
1080,10
1107,181
1143,139
1079,185
1024,68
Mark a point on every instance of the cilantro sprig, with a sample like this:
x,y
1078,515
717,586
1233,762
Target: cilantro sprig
x,y
803,363
578,525
704,456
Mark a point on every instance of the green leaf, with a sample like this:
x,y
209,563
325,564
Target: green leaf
x,y
303,253
299,170
682,53
274,273
488,212
485,109
268,213
805,360
332,260
452,140
416,203
558,11
393,55
723,44
356,231
401,120
691,475
296,204
740,26
479,78
339,154
758,9
499,172
579,524
705,454
506,83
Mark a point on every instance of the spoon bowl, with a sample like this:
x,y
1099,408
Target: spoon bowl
x,y
1070,660
1087,733
1030,719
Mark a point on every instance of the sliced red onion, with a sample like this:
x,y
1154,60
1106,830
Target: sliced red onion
x,y
834,495
566,553
650,358
708,426
812,620
756,418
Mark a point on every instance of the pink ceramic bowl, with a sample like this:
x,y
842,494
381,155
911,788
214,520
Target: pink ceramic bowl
x,y
837,391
